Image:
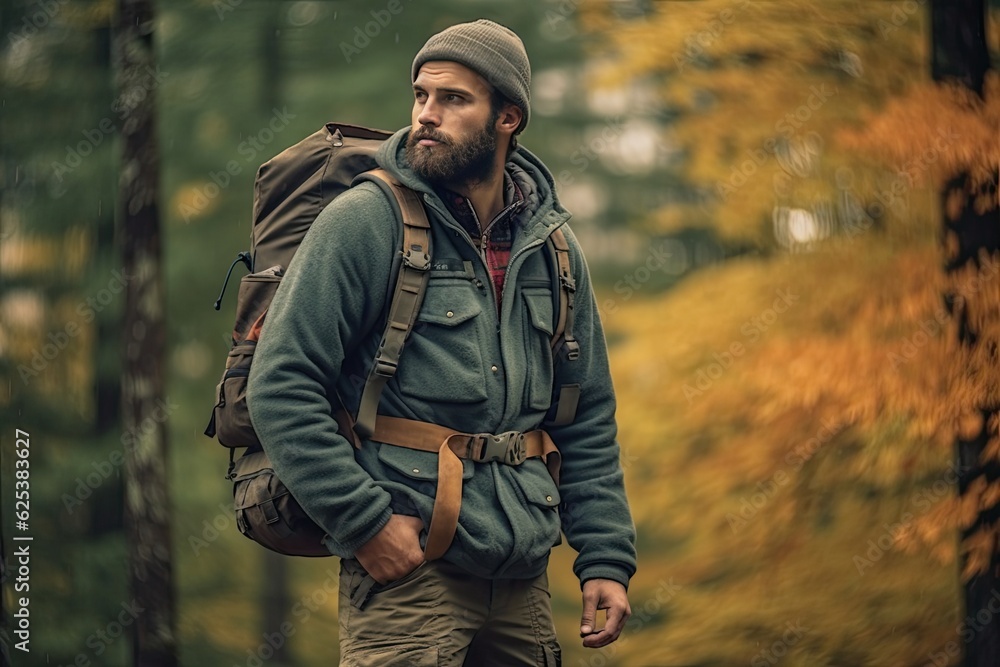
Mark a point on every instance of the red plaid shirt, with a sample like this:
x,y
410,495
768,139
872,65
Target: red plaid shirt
x,y
495,239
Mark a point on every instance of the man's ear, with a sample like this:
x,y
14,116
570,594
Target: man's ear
x,y
510,118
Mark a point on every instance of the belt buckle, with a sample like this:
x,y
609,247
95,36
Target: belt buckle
x,y
505,448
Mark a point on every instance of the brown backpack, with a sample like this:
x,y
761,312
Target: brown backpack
x,y
289,193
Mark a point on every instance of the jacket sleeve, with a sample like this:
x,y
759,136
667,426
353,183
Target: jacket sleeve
x,y
595,514
331,295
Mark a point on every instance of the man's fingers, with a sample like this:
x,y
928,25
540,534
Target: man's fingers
x,y
610,596
598,640
610,632
616,620
394,551
587,620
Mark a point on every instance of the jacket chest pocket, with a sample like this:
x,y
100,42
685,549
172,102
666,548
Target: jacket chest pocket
x,y
538,329
443,360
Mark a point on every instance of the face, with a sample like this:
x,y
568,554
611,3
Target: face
x,y
454,136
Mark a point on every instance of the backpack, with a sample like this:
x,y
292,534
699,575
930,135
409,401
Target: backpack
x,y
290,191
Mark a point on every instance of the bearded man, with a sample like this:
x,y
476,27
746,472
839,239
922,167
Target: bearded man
x,y
479,361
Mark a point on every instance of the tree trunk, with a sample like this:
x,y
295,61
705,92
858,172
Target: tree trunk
x,y
275,598
147,502
275,605
959,55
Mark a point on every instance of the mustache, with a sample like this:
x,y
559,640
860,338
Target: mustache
x,y
427,133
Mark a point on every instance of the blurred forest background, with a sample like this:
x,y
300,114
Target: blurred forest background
x,y
792,230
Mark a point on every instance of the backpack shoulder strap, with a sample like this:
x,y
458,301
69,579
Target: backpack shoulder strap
x,y
411,284
562,337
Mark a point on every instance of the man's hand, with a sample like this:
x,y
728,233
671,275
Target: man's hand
x,y
603,594
395,551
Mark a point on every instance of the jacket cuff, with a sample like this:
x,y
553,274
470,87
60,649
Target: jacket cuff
x,y
347,549
605,571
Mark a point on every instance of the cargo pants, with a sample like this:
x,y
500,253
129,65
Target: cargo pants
x,y
441,616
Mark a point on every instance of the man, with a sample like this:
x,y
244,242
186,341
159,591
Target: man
x,y
478,361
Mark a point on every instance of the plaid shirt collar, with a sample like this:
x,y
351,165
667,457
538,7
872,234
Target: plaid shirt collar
x,y
501,227
495,240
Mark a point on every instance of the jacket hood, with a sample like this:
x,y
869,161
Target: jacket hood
x,y
527,170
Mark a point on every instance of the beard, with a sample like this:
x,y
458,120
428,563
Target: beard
x,y
452,162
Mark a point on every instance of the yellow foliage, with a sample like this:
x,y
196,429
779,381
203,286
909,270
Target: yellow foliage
x,y
192,200
762,90
28,255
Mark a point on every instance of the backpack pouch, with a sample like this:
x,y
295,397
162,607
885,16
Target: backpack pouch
x,y
267,513
232,417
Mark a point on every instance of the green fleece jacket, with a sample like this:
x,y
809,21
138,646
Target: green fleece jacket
x,y
465,367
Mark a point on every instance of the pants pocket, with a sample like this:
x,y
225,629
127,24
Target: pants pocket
x,y
553,655
402,581
364,586
403,655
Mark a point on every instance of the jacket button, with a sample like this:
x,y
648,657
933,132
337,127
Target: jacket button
x,y
416,470
548,498
494,368
450,313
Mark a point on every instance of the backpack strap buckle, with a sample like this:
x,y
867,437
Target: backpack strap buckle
x,y
505,448
567,283
417,258
384,367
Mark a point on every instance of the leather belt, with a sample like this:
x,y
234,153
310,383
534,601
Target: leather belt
x,y
509,448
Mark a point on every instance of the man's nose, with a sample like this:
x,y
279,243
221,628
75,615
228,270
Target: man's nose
x,y
429,115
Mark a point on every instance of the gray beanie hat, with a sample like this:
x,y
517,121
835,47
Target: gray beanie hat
x,y
490,49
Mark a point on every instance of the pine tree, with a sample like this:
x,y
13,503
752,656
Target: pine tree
x,y
147,498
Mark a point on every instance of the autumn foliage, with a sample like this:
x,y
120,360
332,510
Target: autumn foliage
x,y
788,418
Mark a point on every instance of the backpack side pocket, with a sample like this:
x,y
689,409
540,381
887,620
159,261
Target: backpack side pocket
x,y
231,417
268,514
230,421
